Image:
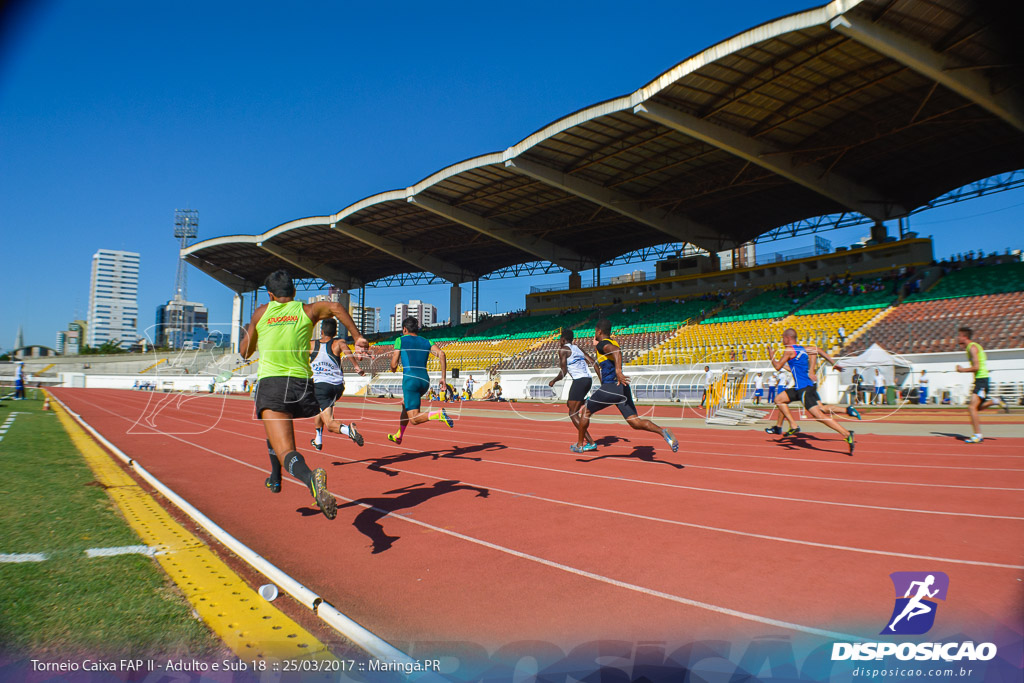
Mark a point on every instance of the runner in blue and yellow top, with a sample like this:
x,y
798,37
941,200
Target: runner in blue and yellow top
x,y
980,395
802,362
281,331
614,390
413,351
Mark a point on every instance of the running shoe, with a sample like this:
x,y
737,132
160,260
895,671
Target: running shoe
x,y
1001,402
974,439
324,500
395,438
354,434
849,442
590,447
274,486
852,412
577,449
793,431
314,444
774,429
447,420
670,440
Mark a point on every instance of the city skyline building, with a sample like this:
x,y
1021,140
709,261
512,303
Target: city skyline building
x,y
113,298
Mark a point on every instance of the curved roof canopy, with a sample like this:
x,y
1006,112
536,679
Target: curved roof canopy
x,y
872,106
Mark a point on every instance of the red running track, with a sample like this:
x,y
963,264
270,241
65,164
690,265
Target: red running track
x,y
494,532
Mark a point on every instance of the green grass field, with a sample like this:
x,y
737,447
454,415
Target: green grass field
x,y
69,603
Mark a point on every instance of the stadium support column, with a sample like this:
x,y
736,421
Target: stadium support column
x,y
476,300
455,304
362,310
236,323
879,232
575,280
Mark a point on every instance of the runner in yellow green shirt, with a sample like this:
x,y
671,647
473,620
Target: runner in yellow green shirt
x,y
980,394
281,331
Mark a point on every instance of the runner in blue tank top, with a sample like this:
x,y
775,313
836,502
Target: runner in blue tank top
x,y
802,362
413,351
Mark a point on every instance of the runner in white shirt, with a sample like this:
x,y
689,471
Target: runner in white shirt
x,y
576,364
328,381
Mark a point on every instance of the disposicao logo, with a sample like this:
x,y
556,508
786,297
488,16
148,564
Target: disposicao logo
x,y
914,612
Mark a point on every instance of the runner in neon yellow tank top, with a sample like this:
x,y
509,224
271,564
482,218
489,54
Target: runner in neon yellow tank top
x,y
281,331
980,400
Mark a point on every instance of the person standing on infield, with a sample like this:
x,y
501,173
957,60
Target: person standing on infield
x,y
980,399
281,331
413,351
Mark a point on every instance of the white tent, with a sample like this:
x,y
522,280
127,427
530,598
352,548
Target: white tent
x,y
875,357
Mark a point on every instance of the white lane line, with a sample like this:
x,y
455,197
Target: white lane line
x,y
124,550
22,557
557,565
651,483
636,515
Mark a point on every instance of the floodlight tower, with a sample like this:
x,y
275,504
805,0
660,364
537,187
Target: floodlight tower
x,y
186,227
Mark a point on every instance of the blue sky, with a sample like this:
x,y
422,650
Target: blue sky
x,y
114,113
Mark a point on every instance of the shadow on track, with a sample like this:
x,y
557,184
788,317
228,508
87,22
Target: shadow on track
x,y
455,453
644,453
368,521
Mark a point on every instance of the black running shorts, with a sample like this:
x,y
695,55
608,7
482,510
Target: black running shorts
x,y
292,395
808,396
327,393
579,388
613,394
981,387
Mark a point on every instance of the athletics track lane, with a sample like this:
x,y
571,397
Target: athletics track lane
x,y
430,584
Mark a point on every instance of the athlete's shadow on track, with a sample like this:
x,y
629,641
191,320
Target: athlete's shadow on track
x,y
368,521
455,453
961,437
644,453
610,440
802,441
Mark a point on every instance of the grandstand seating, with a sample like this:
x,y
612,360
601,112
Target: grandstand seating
x,y
931,326
772,303
747,339
976,281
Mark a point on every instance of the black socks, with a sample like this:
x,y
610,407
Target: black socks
x,y
275,464
296,466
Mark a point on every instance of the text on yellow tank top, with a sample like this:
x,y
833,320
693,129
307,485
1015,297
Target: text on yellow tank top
x,y
282,337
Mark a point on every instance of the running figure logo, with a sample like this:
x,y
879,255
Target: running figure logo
x,y
914,613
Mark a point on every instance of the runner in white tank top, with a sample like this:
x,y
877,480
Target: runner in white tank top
x,y
576,364
328,380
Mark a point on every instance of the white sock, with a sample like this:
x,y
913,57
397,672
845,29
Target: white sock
x,y
319,438
344,430
978,434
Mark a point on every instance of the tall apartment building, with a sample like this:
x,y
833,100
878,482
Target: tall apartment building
x,y
181,324
425,313
113,298
369,314
336,295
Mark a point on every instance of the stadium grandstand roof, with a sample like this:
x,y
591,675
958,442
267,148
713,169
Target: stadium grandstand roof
x,y
872,107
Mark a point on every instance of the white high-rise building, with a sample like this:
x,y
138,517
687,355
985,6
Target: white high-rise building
x,y
114,298
425,313
338,296
368,313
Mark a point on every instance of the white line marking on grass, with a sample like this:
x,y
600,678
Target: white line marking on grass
x,y
124,550
22,557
